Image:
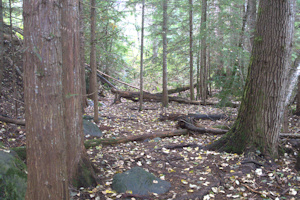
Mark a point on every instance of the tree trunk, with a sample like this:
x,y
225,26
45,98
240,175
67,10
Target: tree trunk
x,y
203,53
93,77
191,51
142,54
1,46
44,111
165,99
298,98
259,118
252,19
77,158
82,58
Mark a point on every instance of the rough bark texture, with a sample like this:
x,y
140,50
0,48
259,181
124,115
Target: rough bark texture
x,y
191,51
93,75
259,118
77,159
203,53
46,137
165,99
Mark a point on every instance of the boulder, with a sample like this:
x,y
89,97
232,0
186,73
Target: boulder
x,y
140,182
12,176
90,128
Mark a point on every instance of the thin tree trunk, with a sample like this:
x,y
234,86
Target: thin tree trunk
x,y
44,111
93,83
259,118
13,68
82,58
165,99
142,54
1,46
191,51
203,53
252,19
198,72
298,98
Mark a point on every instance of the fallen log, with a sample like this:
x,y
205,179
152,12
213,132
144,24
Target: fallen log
x,y
109,141
13,121
177,116
157,97
177,90
289,135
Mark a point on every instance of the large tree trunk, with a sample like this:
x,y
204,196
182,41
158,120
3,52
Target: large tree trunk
x,y
45,132
93,75
259,118
191,51
165,99
77,158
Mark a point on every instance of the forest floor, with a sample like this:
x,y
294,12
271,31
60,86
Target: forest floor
x,y
194,173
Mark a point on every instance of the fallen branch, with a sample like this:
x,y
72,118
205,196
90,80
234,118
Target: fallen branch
x,y
290,135
177,116
157,97
13,121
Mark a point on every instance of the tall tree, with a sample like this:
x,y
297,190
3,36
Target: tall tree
x,y
44,111
56,157
165,99
93,75
142,54
258,123
203,70
191,51
1,45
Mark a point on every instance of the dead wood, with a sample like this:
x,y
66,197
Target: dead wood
x,y
157,97
289,135
108,141
13,121
177,90
177,116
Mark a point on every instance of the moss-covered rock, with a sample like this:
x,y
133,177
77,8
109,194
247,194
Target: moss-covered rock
x,y
12,176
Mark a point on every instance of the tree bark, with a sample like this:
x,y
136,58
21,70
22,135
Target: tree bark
x,y
77,158
298,98
93,78
1,46
259,118
203,53
191,52
165,99
44,111
82,57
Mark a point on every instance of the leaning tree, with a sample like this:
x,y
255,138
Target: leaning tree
x,y
258,123
56,157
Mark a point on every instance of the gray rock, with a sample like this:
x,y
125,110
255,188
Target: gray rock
x,y
12,177
140,182
89,128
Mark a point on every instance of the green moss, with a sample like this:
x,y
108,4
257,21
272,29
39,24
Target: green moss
x,y
258,39
85,175
21,152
